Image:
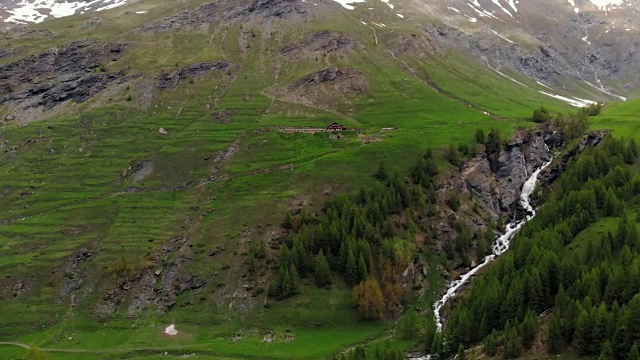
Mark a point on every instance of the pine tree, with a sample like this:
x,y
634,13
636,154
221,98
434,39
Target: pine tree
x,y
536,293
480,137
453,156
461,354
363,273
494,142
322,274
582,338
283,287
491,344
407,325
437,347
512,343
631,319
351,268
554,335
631,153
634,354
288,222
607,352
382,174
295,279
529,329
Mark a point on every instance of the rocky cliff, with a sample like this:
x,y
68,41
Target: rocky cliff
x,y
489,193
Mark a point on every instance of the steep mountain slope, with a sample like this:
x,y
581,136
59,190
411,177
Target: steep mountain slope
x,y
561,44
144,153
35,11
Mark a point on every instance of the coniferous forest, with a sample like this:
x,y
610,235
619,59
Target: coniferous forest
x,y
552,285
581,291
361,238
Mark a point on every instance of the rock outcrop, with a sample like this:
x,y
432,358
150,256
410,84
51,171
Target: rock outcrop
x,y
321,43
153,287
346,81
212,14
74,72
324,88
173,78
549,175
495,190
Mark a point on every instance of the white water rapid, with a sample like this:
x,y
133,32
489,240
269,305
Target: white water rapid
x,y
499,247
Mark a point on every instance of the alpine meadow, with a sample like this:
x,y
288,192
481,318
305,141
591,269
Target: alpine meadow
x,y
328,179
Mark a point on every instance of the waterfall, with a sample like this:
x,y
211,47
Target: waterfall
x,y
499,247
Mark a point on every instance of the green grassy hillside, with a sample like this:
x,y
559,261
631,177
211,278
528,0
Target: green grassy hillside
x,y
100,178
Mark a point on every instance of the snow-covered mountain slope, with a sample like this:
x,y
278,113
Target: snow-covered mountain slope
x,y
35,11
593,42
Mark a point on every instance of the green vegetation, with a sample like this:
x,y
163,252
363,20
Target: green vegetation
x,y
557,263
102,180
620,118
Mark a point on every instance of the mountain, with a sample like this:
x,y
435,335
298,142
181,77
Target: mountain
x,y
578,47
166,164
35,11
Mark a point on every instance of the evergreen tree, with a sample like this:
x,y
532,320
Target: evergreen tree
x,y
382,174
351,268
480,137
461,354
288,222
491,344
607,352
529,329
633,353
295,279
283,285
453,156
363,273
582,337
322,274
554,335
494,142
512,343
437,347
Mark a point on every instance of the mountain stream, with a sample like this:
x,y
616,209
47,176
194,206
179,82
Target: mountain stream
x,y
499,247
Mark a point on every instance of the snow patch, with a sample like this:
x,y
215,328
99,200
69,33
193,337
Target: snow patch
x,y
541,84
602,88
577,102
171,330
604,4
502,37
37,11
509,77
471,18
400,16
347,3
497,2
388,2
